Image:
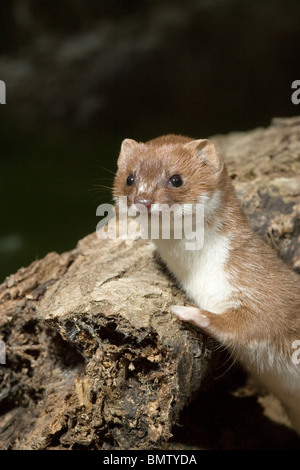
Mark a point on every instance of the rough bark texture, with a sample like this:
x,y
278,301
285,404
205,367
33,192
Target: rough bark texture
x,y
94,358
265,167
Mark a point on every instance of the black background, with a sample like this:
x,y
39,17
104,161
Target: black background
x,y
82,75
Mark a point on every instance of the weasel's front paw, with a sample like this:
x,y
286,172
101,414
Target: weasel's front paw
x,y
191,315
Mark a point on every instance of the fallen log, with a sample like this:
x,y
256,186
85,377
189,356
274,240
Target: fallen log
x,y
94,359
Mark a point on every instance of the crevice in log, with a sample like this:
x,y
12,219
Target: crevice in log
x,y
96,360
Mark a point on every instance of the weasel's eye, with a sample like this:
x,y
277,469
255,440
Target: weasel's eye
x,y
175,181
130,180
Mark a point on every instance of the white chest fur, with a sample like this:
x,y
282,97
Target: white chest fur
x,y
201,273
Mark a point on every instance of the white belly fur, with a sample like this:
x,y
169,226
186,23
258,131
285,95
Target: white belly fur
x,y
202,276
276,372
201,273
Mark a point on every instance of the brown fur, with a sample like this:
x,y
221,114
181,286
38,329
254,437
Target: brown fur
x,y
267,290
158,160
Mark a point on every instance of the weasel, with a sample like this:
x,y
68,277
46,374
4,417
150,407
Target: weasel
x,y
244,295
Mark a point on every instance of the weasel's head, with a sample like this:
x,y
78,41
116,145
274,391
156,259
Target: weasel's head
x,y
169,170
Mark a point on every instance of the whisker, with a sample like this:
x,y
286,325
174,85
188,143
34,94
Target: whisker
x,y
104,179
107,169
100,186
100,192
219,347
232,360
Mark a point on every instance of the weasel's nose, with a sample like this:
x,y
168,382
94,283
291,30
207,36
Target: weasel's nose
x,y
145,202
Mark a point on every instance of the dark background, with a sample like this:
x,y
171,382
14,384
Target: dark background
x,y
81,75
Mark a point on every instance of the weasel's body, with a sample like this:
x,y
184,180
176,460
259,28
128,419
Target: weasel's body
x,y
246,297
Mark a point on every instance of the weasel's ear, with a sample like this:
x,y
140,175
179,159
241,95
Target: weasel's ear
x,y
127,147
208,153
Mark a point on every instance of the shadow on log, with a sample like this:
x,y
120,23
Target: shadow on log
x,y
95,360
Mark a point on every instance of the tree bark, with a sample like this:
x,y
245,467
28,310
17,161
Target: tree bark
x,y
94,358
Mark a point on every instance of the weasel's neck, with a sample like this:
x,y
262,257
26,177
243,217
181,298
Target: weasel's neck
x,y
202,273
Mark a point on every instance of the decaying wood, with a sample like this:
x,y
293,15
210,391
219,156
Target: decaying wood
x,y
94,354
265,167
94,358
